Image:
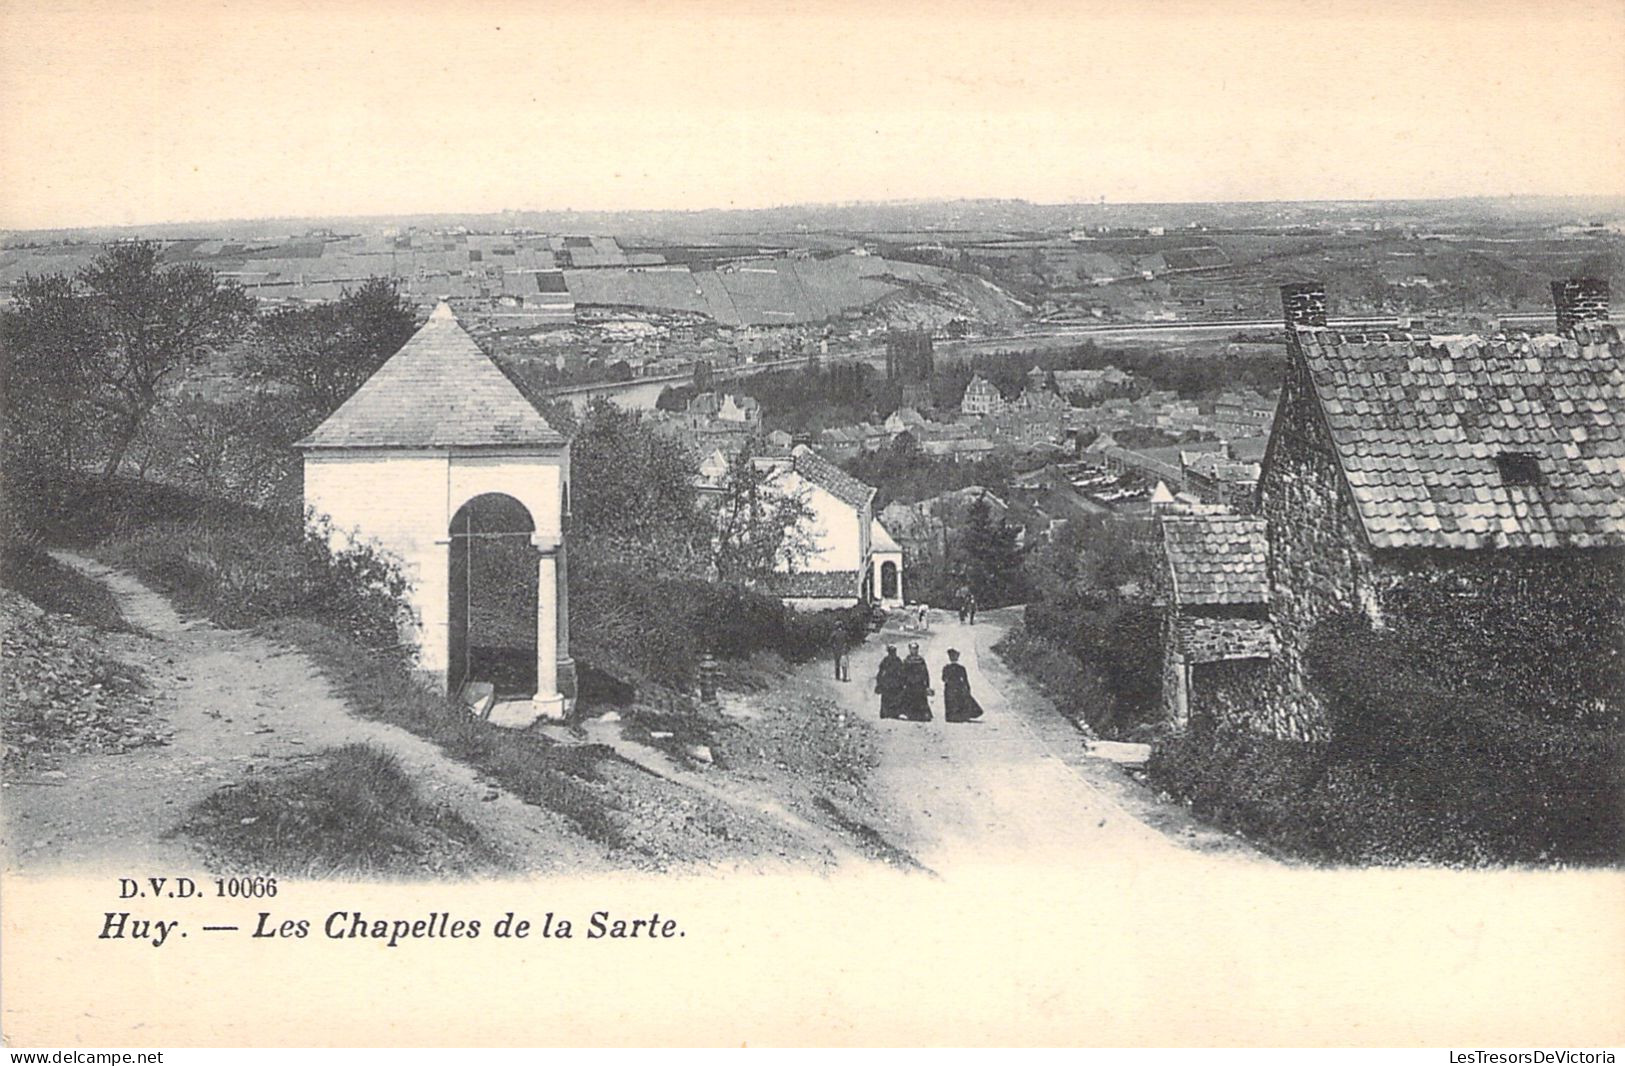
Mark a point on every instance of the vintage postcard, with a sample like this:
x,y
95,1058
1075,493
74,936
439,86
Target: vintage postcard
x,y
655,523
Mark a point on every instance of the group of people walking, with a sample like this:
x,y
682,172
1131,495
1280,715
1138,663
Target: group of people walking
x,y
966,599
905,689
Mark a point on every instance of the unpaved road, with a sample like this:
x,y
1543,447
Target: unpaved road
x,y
1016,786
237,703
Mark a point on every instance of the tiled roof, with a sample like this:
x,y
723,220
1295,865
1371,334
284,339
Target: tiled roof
x,y
814,585
1216,559
438,391
1421,426
826,475
1215,466
1249,449
1207,640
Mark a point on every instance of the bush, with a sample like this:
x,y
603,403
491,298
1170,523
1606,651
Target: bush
x,y
1117,644
635,624
1419,765
1533,798
1075,691
254,569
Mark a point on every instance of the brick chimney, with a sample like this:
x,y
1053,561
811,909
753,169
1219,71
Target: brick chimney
x,y
1304,303
1580,300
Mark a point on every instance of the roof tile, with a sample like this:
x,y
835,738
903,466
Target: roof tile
x,y
438,391
1419,424
1216,558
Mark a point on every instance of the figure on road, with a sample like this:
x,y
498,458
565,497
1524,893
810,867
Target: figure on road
x,y
889,683
838,652
970,607
916,687
962,601
922,617
958,705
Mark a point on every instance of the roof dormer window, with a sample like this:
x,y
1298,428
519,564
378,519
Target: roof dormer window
x,y
1519,468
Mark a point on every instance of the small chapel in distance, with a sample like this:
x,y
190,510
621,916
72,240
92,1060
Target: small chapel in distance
x,y
441,462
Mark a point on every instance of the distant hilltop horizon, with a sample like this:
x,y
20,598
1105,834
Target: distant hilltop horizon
x,y
875,216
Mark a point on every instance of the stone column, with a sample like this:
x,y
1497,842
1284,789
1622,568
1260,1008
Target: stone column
x,y
549,703
566,669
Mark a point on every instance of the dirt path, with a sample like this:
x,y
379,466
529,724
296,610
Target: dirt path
x,y
237,703
1010,788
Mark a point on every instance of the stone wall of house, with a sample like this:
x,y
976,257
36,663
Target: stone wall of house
x,y
1229,692
1544,628
1316,551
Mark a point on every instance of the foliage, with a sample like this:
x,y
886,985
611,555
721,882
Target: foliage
x,y
901,471
125,325
816,398
1088,552
636,624
1155,368
45,408
760,524
325,352
1076,691
986,554
351,811
632,491
1421,764
1118,642
240,448
243,571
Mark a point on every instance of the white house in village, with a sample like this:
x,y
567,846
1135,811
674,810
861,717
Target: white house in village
x,y
853,557
441,462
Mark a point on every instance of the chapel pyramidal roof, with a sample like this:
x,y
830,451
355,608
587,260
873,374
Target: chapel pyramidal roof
x,y
439,391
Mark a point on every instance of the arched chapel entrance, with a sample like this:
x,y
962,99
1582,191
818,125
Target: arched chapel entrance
x,y
492,587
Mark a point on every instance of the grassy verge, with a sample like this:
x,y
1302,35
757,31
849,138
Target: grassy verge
x,y
564,779
60,589
351,811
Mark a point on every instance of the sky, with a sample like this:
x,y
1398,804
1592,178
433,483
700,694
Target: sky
x,y
146,111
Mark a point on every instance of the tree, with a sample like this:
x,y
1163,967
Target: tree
x,y
760,523
325,352
125,324
990,557
633,494
45,401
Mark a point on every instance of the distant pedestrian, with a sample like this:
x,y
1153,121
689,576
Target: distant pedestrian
x,y
970,607
962,601
916,689
838,652
889,684
922,618
958,705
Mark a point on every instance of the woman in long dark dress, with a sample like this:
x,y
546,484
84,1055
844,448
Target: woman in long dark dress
x,y
958,705
916,696
889,683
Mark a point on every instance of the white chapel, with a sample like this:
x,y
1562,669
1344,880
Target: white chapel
x,y
439,460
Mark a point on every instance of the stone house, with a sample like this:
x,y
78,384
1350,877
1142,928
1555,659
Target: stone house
x,y
1217,640
1469,487
982,397
1215,477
